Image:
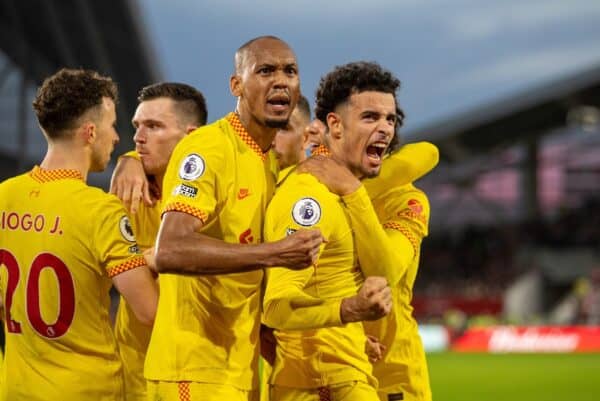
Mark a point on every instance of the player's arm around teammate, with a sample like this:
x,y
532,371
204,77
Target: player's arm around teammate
x,y
180,236
394,251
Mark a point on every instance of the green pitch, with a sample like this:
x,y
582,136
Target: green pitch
x,y
514,377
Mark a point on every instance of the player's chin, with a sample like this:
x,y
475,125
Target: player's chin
x,y
370,167
371,171
277,122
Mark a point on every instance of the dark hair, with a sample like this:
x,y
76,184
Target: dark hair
x,y
190,101
303,106
337,86
396,140
67,95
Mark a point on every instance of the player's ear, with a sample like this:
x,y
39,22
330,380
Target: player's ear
x,y
334,125
190,128
88,131
235,85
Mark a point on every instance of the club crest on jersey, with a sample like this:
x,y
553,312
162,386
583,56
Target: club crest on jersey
x,y
126,230
192,167
415,206
306,212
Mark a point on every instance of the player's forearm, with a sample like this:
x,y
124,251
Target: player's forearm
x,y
199,254
377,252
140,289
301,312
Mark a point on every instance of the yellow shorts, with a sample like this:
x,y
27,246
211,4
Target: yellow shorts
x,y
194,391
264,380
405,396
348,391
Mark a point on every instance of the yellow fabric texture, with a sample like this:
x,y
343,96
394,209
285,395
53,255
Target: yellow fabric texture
x,y
193,391
133,154
207,327
132,336
403,211
66,240
348,391
296,303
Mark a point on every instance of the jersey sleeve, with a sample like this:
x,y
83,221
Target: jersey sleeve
x,y
408,215
411,208
287,306
196,174
380,253
133,154
114,240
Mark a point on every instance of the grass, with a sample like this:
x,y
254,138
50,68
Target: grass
x,y
514,377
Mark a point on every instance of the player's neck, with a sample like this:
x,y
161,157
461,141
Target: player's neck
x,y
63,156
158,178
262,135
339,157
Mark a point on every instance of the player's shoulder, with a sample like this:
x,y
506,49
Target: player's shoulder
x,y
97,200
303,198
403,194
304,184
406,202
215,132
15,181
212,140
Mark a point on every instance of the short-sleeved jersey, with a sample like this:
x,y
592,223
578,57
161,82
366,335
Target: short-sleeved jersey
x,y
61,241
314,348
402,210
207,327
132,336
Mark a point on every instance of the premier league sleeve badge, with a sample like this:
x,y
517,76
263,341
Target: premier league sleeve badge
x,y
191,167
306,212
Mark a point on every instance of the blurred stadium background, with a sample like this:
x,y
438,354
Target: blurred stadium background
x,y
508,293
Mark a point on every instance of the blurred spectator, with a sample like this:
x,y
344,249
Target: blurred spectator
x,y
481,262
590,305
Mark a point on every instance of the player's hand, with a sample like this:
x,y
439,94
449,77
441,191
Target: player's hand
x,y
130,184
298,250
337,178
373,301
374,349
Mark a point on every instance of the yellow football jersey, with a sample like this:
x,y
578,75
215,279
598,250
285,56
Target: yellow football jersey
x,y
403,210
132,336
207,327
297,303
61,241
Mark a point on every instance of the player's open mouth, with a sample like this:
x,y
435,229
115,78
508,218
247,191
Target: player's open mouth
x,y
279,102
375,150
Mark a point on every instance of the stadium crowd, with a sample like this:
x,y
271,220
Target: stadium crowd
x,y
481,262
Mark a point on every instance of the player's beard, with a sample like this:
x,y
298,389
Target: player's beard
x,y
279,124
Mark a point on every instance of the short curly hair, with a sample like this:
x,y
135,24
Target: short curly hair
x,y
67,95
337,86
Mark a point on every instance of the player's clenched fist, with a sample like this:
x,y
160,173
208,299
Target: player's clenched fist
x,y
373,301
298,250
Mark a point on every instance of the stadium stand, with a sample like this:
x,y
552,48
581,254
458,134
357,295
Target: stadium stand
x,y
38,37
516,187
